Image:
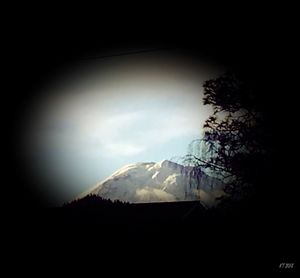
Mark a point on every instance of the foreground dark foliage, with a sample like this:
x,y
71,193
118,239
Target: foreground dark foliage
x,y
236,143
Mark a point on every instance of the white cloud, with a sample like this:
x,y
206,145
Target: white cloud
x,y
105,132
122,149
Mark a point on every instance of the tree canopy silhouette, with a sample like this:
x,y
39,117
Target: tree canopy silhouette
x,y
233,146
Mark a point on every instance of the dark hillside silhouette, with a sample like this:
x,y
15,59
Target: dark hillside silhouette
x,y
93,206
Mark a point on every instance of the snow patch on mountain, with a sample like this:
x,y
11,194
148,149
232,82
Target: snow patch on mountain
x,y
164,181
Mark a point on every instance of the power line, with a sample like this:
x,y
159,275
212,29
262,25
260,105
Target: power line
x,y
126,53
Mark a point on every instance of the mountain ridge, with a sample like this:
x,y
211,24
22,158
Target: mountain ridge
x,y
163,181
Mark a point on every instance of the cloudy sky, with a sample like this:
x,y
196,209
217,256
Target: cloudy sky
x,y
101,116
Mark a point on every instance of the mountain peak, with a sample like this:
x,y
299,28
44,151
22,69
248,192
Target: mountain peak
x,y
168,163
156,182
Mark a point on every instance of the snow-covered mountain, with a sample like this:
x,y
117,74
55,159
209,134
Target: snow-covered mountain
x,y
164,181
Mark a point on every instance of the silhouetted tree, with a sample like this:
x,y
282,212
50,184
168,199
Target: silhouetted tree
x,y
94,201
233,146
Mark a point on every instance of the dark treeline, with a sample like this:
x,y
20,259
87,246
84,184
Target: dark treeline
x,y
93,201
